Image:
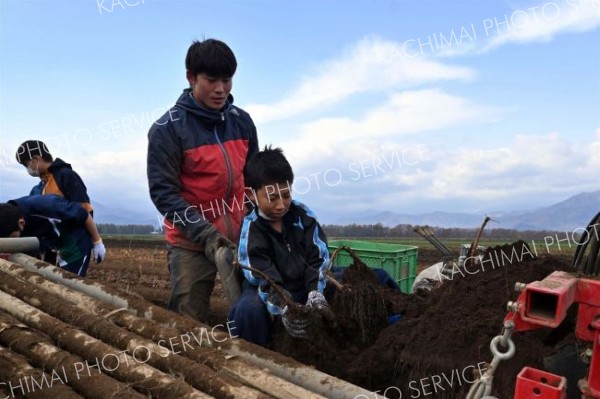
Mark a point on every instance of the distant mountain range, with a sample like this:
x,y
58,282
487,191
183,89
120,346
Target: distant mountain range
x,y
564,216
567,215
110,214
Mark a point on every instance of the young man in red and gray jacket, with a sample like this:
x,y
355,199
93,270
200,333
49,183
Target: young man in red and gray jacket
x,y
196,157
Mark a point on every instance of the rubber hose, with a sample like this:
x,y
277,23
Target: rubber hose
x,y
594,246
590,264
578,258
593,255
579,250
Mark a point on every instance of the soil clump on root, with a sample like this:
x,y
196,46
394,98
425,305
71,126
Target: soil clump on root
x,y
361,311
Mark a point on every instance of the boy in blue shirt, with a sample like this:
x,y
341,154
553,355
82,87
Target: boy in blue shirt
x,y
281,238
59,225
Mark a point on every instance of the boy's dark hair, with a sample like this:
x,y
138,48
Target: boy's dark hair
x,y
212,57
30,148
268,166
9,219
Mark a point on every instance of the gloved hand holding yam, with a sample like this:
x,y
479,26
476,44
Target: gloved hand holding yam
x,y
296,320
279,297
317,301
214,242
230,275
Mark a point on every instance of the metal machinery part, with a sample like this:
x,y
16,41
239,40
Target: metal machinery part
x,y
545,304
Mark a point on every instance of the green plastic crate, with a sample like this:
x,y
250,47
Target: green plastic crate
x,y
400,261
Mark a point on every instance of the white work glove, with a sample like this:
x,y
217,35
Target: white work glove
x,y
98,252
317,301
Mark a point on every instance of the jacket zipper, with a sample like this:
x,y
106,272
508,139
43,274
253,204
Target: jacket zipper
x,y
285,240
229,178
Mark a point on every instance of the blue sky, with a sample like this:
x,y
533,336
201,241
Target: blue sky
x,y
406,106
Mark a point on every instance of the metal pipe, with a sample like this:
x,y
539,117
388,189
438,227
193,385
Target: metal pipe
x,y
445,250
67,279
427,233
21,244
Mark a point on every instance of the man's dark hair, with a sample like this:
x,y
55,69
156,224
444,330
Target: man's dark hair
x,y
268,166
30,148
212,57
9,219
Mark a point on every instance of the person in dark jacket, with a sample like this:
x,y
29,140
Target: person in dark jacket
x,y
56,177
196,156
281,238
58,224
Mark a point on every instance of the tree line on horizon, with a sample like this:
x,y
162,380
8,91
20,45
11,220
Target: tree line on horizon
x,y
112,228
407,231
367,230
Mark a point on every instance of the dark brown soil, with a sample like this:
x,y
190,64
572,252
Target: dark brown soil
x,y
442,338
361,313
140,266
439,337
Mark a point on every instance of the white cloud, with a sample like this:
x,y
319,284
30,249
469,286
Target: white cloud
x,y
468,178
527,165
122,173
592,156
406,113
370,66
541,23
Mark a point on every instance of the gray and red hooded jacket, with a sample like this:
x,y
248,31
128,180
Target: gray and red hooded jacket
x,y
195,167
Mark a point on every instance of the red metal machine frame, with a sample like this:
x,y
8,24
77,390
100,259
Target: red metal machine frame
x,y
545,304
